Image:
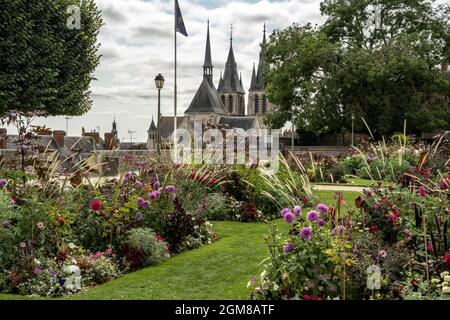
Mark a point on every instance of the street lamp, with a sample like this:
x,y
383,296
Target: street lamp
x,y
353,129
159,81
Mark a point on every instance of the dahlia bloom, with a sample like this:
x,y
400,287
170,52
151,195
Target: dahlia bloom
x,y
297,211
306,233
321,222
289,217
169,189
3,182
312,216
284,211
322,208
156,185
142,203
289,247
138,184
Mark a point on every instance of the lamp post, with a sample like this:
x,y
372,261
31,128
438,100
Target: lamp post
x,y
159,81
353,129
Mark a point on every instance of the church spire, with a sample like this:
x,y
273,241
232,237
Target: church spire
x,y
231,82
207,65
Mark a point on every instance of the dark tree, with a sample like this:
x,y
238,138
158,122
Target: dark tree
x,y
46,61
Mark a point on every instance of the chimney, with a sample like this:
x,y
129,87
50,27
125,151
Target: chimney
x,y
94,135
3,137
110,141
59,135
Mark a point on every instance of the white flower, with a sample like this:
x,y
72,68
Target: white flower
x,y
275,287
36,261
446,290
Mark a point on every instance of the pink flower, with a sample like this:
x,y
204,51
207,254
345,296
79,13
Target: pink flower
x,y
23,245
312,216
422,191
289,217
40,225
430,247
444,184
37,270
382,253
447,259
408,234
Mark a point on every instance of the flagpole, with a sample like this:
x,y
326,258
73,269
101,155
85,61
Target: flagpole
x,y
175,88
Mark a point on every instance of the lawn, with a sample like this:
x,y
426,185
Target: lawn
x,y
217,271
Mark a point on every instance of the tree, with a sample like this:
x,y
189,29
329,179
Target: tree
x,y
378,60
46,62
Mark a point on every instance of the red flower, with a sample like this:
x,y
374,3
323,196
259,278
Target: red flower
x,y
447,259
444,184
305,200
373,230
95,205
422,191
160,239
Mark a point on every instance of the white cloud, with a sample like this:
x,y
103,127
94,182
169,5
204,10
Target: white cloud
x,y
137,43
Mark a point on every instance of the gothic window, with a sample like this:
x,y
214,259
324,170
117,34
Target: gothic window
x,y
256,104
264,104
230,104
223,99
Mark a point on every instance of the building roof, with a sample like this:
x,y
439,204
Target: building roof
x,y
231,81
206,100
153,127
258,83
245,123
167,126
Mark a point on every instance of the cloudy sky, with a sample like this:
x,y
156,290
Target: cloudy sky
x,y
137,43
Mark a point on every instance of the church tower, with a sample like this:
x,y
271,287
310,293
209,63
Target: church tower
x,y
152,133
231,90
257,101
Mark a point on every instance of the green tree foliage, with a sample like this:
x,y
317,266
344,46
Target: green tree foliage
x,y
44,64
384,69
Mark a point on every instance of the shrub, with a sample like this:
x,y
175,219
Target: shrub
x,y
152,248
102,269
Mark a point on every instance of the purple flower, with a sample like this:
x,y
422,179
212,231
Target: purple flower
x,y
298,211
127,177
321,222
289,247
284,211
306,233
322,208
139,217
312,216
169,189
156,185
142,203
153,195
138,184
289,217
3,182
338,230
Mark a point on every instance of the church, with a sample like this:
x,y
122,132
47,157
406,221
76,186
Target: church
x,y
224,106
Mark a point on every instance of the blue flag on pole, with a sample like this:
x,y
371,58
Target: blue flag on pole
x,y
180,23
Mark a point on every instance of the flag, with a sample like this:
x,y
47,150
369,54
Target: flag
x,y
180,23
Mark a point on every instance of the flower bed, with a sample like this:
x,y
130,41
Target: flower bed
x,y
59,240
396,247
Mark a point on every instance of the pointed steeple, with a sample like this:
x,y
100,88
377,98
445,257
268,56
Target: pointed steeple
x,y
207,65
153,127
253,83
114,128
231,82
259,86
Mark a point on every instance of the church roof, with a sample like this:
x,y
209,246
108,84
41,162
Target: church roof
x,y
206,100
167,125
245,123
152,126
258,84
231,81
